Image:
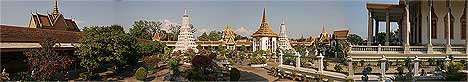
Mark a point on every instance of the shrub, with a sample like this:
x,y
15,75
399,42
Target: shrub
x,y
294,75
151,62
338,68
282,73
258,60
274,71
140,74
234,74
304,77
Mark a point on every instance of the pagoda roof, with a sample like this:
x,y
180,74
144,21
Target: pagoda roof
x,y
264,30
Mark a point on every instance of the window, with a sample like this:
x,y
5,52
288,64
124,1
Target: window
x,y
434,24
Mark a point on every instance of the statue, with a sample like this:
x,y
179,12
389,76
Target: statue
x,y
316,52
306,52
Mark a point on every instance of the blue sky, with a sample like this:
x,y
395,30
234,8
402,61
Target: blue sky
x,y
303,17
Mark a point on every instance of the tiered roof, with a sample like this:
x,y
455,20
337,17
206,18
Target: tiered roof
x,y
228,35
52,21
264,30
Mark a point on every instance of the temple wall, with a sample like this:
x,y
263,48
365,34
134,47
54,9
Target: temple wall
x,y
441,10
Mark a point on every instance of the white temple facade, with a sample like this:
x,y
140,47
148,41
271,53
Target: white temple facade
x,y
185,39
283,42
264,38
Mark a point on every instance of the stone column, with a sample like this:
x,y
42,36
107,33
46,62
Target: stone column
x,y
387,26
298,59
350,68
254,45
383,62
416,66
370,33
466,39
407,29
281,59
448,45
321,63
429,31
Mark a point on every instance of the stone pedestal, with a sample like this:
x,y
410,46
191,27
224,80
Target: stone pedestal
x,y
320,70
281,59
383,63
350,68
416,66
298,60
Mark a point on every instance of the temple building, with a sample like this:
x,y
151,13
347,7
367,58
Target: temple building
x,y
228,38
264,38
185,39
427,28
283,41
54,21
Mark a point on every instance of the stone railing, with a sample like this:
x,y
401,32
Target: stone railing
x,y
401,49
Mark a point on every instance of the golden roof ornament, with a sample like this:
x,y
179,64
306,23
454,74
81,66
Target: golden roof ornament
x,y
55,12
264,30
228,35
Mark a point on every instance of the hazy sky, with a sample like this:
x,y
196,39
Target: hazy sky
x,y
303,17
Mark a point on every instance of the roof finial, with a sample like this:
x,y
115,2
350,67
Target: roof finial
x,y
283,21
324,29
55,11
264,15
185,12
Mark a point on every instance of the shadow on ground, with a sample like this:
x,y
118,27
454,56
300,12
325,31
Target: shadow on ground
x,y
248,76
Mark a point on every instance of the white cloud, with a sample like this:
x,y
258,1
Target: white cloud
x,y
243,31
166,24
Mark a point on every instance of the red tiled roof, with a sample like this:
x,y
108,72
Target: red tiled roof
x,y
25,34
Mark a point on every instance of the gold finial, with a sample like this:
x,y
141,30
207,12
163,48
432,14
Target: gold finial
x,y
324,29
55,11
264,16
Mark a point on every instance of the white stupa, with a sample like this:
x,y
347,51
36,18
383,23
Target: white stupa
x,y
185,39
283,42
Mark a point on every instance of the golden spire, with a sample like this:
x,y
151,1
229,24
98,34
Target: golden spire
x,y
324,29
264,30
55,11
264,16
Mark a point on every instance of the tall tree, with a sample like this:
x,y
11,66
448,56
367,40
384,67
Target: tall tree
x,y
104,45
215,36
145,29
203,37
354,39
46,61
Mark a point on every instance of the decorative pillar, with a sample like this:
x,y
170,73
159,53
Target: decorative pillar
x,y
370,33
407,29
448,45
281,58
298,59
466,39
350,68
254,45
446,62
379,48
416,66
321,63
387,26
383,62
429,32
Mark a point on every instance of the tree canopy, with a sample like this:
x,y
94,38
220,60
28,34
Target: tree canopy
x,y
145,29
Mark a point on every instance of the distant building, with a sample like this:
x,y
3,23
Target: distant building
x,y
264,38
228,38
54,21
